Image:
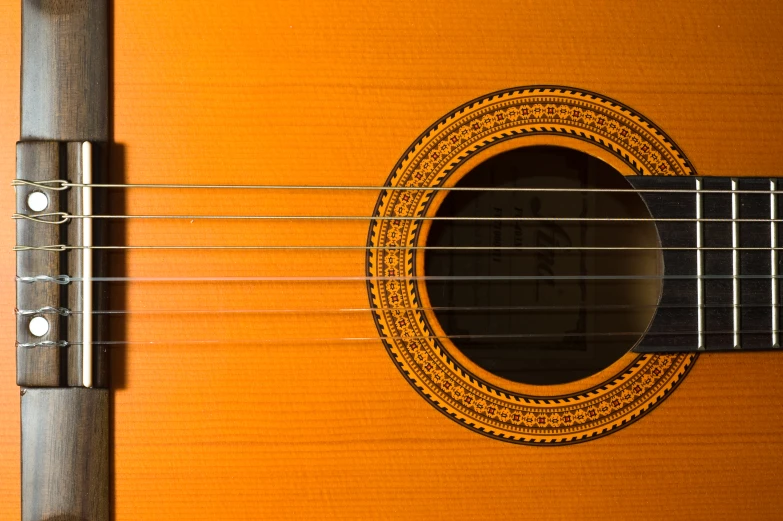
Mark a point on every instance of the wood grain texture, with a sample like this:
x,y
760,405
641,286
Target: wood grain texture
x,y
52,366
65,80
38,366
65,431
312,93
65,454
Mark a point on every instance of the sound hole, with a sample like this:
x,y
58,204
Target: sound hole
x,y
545,329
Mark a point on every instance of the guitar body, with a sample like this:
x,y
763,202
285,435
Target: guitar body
x,y
275,415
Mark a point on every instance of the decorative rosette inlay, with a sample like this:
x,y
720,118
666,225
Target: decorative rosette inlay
x,y
405,328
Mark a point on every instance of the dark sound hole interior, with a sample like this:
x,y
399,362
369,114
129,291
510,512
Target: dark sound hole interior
x,y
543,330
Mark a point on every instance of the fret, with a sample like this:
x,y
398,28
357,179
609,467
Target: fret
x,y
779,258
735,265
773,236
755,262
699,264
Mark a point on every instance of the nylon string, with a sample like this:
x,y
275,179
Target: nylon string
x,y
480,309
63,217
510,336
64,185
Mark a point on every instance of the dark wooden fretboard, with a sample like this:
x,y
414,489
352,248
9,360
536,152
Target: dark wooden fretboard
x,y
721,291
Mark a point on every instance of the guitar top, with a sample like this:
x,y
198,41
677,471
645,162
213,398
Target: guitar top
x,y
491,260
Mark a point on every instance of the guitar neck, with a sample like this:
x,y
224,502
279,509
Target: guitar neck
x,y
721,265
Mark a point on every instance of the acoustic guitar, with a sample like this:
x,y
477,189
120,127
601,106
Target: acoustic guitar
x,y
391,260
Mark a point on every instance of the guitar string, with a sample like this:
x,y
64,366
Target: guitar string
x,y
51,310
63,185
66,279
510,336
493,337
64,217
65,247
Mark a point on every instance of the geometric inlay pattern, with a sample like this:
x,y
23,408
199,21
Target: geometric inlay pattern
x,y
405,328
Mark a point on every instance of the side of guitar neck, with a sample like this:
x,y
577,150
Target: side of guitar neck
x,y
65,424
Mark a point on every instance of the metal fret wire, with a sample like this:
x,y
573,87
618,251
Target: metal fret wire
x,y
735,262
699,269
773,262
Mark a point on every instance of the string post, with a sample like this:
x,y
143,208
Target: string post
x,y
46,310
54,184
62,217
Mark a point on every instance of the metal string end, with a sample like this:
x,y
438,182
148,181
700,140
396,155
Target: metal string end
x,y
63,217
